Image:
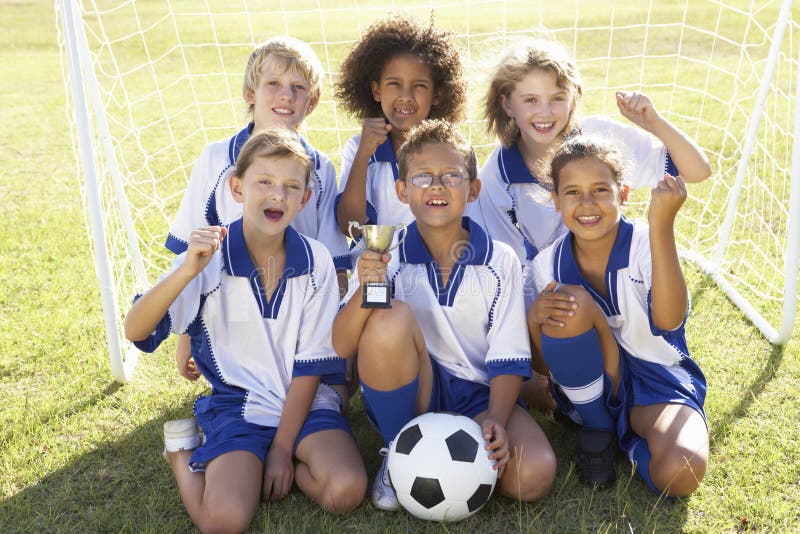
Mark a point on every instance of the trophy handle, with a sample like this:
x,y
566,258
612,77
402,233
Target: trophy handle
x,y
350,233
399,228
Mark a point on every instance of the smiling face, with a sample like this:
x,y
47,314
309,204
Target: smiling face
x,y
406,91
273,190
281,98
540,108
589,200
437,205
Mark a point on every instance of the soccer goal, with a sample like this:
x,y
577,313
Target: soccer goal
x,y
150,83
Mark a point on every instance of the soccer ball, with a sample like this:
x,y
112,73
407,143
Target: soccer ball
x,y
440,468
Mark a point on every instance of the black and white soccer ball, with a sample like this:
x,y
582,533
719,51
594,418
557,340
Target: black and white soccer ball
x,y
440,467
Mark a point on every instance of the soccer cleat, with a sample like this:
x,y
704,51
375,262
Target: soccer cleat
x,y
181,435
596,457
383,494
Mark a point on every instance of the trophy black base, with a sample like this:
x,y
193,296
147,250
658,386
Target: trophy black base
x,y
375,295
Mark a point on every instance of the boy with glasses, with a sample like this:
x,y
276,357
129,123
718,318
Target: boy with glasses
x,y
455,337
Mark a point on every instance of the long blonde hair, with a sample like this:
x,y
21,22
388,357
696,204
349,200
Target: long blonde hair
x,y
517,62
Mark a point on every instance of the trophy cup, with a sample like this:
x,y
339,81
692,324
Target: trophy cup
x,y
376,237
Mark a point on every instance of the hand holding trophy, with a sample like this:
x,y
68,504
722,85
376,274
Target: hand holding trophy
x,y
378,238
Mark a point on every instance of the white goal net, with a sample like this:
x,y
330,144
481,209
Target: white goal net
x,y
151,83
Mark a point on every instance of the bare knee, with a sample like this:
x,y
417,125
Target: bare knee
x,y
531,476
583,318
344,491
227,518
679,472
386,328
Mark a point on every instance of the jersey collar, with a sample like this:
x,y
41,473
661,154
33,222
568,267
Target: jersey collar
x,y
513,169
238,141
566,268
385,154
299,259
477,252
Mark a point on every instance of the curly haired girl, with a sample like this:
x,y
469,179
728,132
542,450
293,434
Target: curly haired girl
x,y
400,73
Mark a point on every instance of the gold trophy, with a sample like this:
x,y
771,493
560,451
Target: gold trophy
x,y
377,237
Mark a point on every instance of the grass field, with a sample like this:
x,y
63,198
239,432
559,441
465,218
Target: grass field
x,y
79,453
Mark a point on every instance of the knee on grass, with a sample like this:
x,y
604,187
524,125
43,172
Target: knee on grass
x,y
344,491
531,477
679,472
225,518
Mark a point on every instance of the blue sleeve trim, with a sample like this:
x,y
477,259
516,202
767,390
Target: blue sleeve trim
x,y
328,366
520,367
669,166
336,379
342,263
175,245
372,214
162,331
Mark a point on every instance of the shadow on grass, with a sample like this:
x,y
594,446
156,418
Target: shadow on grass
x,y
125,485
66,409
724,422
751,393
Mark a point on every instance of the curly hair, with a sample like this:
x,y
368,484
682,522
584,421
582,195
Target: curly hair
x,y
583,146
436,131
515,64
387,38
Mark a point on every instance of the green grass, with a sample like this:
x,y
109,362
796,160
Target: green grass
x,y
79,453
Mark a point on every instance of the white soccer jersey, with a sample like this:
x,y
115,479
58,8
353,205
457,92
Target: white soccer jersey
x,y
249,347
628,283
383,206
475,325
516,208
208,200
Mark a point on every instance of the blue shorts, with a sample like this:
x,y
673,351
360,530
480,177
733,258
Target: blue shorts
x,y
450,393
228,431
643,383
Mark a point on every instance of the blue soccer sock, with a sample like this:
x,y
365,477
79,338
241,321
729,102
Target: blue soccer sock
x,y
639,454
391,410
576,364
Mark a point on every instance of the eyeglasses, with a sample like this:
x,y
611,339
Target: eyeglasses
x,y
447,179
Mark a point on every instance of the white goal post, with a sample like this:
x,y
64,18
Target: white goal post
x,y
151,83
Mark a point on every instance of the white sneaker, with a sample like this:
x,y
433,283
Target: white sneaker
x,y
383,494
181,435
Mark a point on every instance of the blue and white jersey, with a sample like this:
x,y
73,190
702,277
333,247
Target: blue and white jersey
x,y
208,200
249,347
516,208
475,325
628,283
383,206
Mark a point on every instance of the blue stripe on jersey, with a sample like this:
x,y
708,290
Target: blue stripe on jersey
x,y
329,366
160,333
385,154
238,141
669,166
519,367
513,169
299,261
477,252
175,245
566,268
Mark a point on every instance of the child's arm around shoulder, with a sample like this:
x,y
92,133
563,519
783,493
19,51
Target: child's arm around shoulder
x,y
669,295
147,311
686,155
